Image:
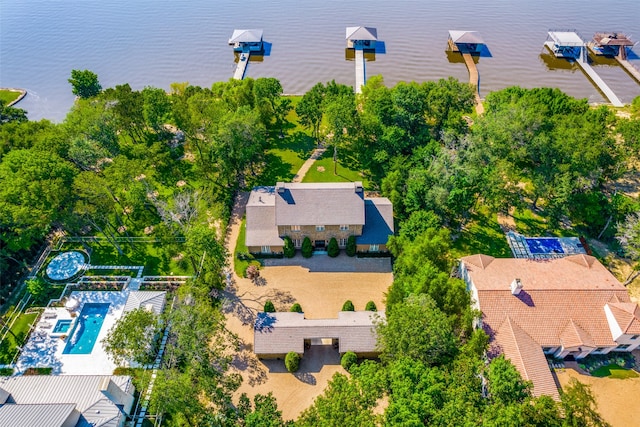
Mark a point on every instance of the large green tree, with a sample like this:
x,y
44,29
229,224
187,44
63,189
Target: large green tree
x,y
132,339
85,83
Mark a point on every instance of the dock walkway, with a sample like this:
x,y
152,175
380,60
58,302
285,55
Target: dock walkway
x,y
613,98
474,80
629,68
361,77
241,67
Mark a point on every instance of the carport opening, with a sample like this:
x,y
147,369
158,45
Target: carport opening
x,y
333,343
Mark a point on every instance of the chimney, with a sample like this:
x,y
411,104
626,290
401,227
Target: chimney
x,y
358,186
516,286
280,187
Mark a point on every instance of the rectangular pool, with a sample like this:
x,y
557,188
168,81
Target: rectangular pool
x,y
62,326
542,245
85,332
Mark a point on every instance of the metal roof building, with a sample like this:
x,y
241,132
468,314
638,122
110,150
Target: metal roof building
x,y
150,300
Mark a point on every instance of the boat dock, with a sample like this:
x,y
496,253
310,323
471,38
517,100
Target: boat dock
x,y
361,76
241,66
629,68
568,44
469,43
360,39
474,80
613,44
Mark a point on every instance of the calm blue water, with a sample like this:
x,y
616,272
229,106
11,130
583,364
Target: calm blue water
x,y
158,42
62,326
544,246
85,332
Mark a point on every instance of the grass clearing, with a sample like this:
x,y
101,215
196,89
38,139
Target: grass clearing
x,y
482,235
20,328
322,170
7,96
614,371
242,258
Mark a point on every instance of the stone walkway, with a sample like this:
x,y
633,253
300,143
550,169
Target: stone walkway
x,y
317,153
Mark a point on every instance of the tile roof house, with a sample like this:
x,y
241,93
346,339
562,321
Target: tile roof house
x,y
571,306
276,334
65,400
319,211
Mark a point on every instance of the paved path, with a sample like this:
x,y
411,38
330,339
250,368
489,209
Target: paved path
x,y
317,153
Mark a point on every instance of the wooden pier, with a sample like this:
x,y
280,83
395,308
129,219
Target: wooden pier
x,y
633,71
360,39
613,98
241,67
474,80
361,72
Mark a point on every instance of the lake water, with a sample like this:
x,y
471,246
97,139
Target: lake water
x,y
158,42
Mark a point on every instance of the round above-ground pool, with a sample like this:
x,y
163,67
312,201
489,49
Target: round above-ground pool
x,y
65,265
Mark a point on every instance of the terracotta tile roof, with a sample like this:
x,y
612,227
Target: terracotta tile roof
x,y
527,356
574,336
627,315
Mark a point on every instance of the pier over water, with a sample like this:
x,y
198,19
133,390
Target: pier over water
x,y
245,42
469,43
361,39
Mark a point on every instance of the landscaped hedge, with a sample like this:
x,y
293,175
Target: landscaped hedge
x,y
348,360
307,248
289,248
374,255
296,308
371,306
292,361
351,246
348,306
269,307
333,250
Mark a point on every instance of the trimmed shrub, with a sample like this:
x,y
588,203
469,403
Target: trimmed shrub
x,y
292,361
269,307
351,246
333,250
371,306
289,249
348,306
348,360
307,248
252,272
296,308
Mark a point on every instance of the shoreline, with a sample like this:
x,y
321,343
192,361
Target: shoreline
x,y
22,92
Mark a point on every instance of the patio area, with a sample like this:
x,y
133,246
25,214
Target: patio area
x,y
46,346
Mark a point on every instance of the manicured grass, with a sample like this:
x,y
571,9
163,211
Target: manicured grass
x,y
51,292
533,224
20,328
482,235
8,96
614,371
240,265
285,159
322,171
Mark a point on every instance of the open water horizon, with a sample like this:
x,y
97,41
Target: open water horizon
x,y
155,43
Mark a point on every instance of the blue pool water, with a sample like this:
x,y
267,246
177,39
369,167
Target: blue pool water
x,y
85,332
62,326
545,246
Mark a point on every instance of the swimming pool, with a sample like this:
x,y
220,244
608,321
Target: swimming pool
x,y
62,326
542,245
84,334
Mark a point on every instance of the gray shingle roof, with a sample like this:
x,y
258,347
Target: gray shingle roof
x,y
280,333
261,218
319,203
466,37
143,299
361,33
246,36
378,221
38,415
84,391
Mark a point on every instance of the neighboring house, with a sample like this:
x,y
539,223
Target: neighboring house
x,y
565,307
276,334
65,400
319,211
149,300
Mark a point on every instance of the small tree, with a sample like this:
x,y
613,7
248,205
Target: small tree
x,y
296,308
333,250
132,338
351,246
252,272
85,83
289,249
348,306
307,248
371,306
269,307
292,361
36,287
348,360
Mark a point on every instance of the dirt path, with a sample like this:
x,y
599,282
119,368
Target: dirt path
x,y
616,398
317,153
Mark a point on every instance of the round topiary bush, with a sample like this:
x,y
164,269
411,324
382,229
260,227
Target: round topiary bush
x,y
307,248
289,248
348,306
348,360
371,306
351,246
269,307
333,250
296,308
292,361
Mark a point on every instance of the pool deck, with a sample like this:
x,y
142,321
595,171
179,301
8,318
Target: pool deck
x,y
45,350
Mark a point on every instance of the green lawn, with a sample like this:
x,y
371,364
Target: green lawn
x,y
51,292
240,265
20,328
614,371
482,235
533,224
8,96
322,170
285,159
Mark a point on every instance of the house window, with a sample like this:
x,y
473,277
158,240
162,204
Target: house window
x,y
374,248
344,227
265,249
623,346
295,228
635,337
297,243
342,242
600,349
319,227
548,350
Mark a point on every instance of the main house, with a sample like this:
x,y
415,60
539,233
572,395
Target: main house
x,y
319,211
565,307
